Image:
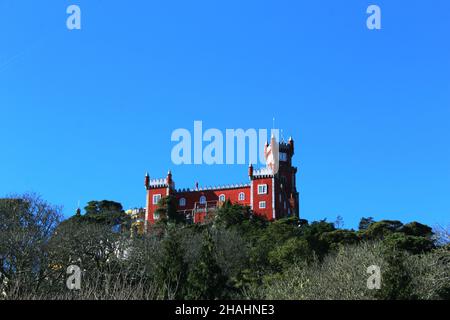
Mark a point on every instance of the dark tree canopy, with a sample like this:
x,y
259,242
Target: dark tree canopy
x,y
234,255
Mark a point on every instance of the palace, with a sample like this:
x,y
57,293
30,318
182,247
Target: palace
x,y
268,194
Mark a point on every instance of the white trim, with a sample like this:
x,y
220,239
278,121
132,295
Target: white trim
x,y
182,202
264,188
262,207
273,198
146,212
243,196
251,195
222,196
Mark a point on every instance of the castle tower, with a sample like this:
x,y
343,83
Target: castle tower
x,y
288,196
271,191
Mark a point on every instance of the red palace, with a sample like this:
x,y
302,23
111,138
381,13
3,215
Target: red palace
x,y
270,195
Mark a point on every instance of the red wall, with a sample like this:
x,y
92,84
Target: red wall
x,y
268,211
194,196
150,206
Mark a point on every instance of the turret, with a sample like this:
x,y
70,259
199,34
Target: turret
x,y
250,171
169,178
291,144
147,181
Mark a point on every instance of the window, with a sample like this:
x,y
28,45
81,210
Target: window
x,y
222,198
262,204
202,200
262,188
241,196
156,198
182,202
283,156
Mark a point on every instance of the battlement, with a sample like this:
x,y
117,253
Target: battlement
x,y
158,183
267,194
262,173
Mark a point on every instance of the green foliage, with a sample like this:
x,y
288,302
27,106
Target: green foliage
x,y
381,229
289,252
231,215
236,255
338,238
167,210
413,244
104,212
417,229
364,223
171,268
205,280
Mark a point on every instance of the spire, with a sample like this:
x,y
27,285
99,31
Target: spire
x,y
78,212
169,178
291,144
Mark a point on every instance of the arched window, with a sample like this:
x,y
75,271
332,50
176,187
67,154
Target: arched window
x,y
222,198
202,200
241,196
182,202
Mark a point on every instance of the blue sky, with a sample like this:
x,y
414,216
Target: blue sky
x,y
85,113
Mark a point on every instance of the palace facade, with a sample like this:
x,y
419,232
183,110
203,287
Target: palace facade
x,y
268,194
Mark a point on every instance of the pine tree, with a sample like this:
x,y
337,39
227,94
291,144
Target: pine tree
x,y
171,267
206,281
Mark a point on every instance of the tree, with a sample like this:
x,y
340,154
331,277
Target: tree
x,y
396,281
290,252
171,268
412,244
381,229
105,212
167,210
339,223
417,229
205,280
364,223
26,225
312,233
232,214
338,238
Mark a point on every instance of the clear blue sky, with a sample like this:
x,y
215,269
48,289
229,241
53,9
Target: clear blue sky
x,y
84,114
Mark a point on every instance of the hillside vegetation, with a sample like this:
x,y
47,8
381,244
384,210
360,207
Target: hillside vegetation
x,y
234,255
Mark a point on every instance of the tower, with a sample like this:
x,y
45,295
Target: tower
x,y
287,203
